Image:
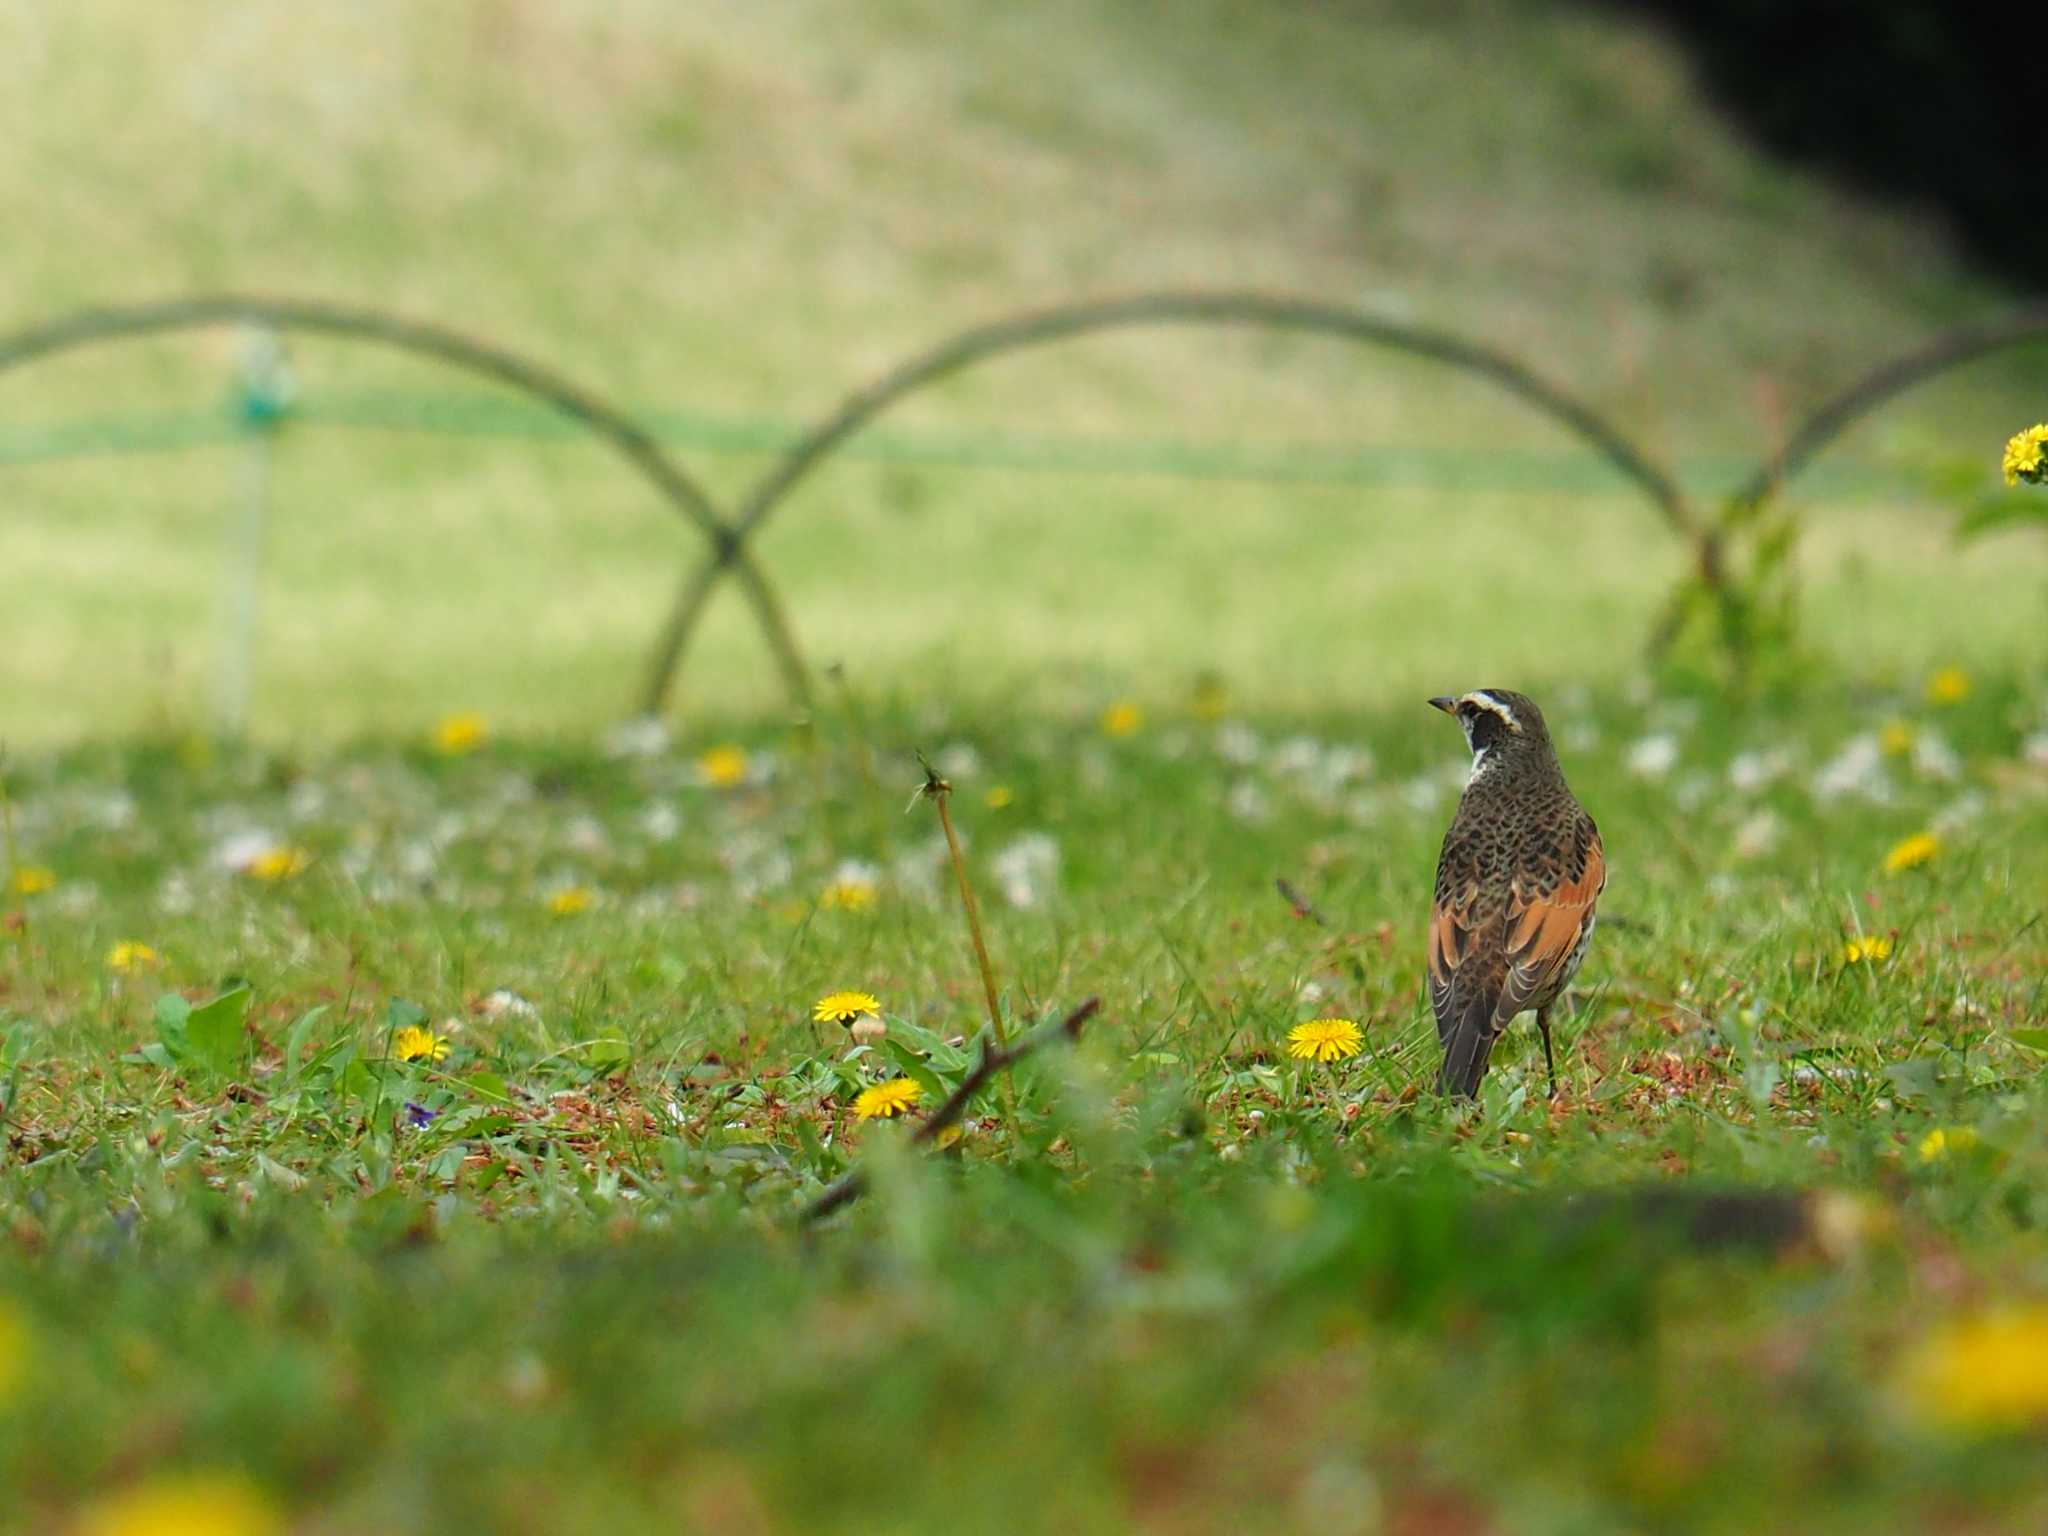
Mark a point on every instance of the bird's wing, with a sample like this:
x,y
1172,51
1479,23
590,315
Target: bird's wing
x,y
1548,910
1464,938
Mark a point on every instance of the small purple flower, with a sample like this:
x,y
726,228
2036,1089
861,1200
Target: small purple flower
x,y
417,1116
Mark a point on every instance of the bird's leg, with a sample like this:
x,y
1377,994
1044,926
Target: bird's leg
x,y
1549,1065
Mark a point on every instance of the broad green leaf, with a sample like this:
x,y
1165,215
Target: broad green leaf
x,y
2032,1039
214,1035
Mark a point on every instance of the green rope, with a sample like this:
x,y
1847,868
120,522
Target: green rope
x,y
477,415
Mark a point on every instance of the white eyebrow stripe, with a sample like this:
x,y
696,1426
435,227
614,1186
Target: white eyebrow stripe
x,y
1486,701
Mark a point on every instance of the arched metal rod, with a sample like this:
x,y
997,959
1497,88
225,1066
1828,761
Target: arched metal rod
x,y
1244,309
1950,349
606,422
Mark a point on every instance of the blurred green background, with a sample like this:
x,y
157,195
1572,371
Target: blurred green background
x,y
728,216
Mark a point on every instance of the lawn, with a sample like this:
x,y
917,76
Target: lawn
x,y
415,1116
1761,1255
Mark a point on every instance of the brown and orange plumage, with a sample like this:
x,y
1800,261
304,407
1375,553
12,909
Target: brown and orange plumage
x,y
1520,871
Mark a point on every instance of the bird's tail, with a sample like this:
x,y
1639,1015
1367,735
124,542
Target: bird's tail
x,y
1468,1041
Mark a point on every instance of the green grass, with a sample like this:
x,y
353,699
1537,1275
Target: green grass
x,y
745,215
1207,1284
558,1281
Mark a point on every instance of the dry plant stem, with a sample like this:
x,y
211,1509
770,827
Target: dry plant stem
x,y
973,911
852,1184
938,791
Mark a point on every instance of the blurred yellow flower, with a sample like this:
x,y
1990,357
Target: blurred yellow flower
x,y
1943,1140
1912,852
1123,718
415,1044
1984,1373
1000,798
570,900
32,880
1324,1040
848,896
460,734
1211,698
13,1350
886,1100
1867,951
844,1007
723,766
2026,456
1896,739
280,863
184,1504
1951,685
131,955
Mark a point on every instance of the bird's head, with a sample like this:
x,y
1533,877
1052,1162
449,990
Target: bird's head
x,y
1500,727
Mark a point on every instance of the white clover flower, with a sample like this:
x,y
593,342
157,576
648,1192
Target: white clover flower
x,y
1027,869
1857,770
238,851
1237,744
642,736
1751,771
1757,836
1247,802
1653,756
1934,758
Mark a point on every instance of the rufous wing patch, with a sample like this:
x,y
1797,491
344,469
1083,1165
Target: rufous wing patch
x,y
1544,928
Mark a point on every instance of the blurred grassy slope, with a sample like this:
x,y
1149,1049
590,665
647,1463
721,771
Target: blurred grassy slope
x,y
746,210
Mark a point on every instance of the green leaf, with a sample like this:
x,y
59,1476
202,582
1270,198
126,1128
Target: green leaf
x,y
1989,513
605,1055
2032,1039
1915,1078
403,1015
912,1067
214,1035
172,1012
295,1042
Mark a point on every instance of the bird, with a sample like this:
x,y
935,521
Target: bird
x,y
1516,883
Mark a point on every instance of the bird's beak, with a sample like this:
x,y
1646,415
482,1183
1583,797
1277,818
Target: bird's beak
x,y
1448,706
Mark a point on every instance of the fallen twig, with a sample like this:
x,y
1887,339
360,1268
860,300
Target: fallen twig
x,y
853,1183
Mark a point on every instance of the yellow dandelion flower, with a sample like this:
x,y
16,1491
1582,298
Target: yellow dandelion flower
x,y
130,956
1121,719
1324,1040
848,896
844,1007
1983,1373
413,1043
276,864
1896,739
460,734
1211,698
1942,1141
1867,951
184,1504
32,880
884,1101
1000,798
2026,456
1951,685
723,766
570,900
13,1350
1912,852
